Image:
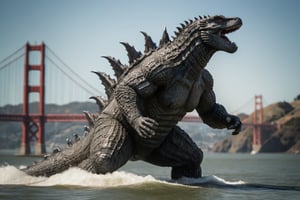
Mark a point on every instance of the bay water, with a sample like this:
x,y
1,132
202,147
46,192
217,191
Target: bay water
x,y
225,176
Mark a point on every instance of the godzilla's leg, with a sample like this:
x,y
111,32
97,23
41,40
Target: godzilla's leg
x,y
179,152
63,160
110,148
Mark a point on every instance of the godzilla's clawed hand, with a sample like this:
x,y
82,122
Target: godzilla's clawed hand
x,y
145,126
234,122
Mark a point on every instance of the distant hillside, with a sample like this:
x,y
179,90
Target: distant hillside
x,y
285,139
73,107
56,133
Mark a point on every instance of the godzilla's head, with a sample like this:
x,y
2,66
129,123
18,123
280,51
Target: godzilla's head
x,y
214,30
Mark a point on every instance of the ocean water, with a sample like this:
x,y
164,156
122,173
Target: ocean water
x,y
225,176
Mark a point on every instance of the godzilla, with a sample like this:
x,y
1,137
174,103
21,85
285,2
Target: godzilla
x,y
138,119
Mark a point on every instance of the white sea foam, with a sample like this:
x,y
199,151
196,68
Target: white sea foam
x,y
10,175
205,180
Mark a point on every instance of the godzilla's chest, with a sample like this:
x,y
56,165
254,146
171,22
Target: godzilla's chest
x,y
182,94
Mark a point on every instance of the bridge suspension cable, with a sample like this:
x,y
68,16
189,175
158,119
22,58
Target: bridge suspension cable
x,y
59,89
70,77
78,77
11,79
11,58
246,106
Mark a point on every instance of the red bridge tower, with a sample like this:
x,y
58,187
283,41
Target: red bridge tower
x,y
33,123
257,122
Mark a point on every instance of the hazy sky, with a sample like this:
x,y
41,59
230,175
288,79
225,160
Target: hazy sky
x,y
80,32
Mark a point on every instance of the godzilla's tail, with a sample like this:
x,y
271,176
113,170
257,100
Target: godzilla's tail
x,y
63,160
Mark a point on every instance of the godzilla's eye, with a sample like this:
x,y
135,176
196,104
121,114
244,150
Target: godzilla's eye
x,y
219,19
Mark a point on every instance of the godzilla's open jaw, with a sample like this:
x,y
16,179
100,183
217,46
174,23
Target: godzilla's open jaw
x,y
227,45
223,33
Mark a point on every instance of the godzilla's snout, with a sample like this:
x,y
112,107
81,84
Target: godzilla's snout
x,y
234,23
226,26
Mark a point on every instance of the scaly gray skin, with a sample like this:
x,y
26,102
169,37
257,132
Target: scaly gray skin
x,y
149,98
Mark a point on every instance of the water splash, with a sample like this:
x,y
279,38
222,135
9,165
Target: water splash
x,y
10,175
208,180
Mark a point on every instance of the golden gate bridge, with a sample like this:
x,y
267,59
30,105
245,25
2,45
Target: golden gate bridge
x,y
27,67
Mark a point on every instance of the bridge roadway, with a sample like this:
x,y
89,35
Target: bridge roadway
x,y
47,117
82,118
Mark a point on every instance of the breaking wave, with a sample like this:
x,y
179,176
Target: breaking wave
x,y
10,175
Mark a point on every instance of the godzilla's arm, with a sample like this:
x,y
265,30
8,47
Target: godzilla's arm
x,y
130,94
127,97
214,114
